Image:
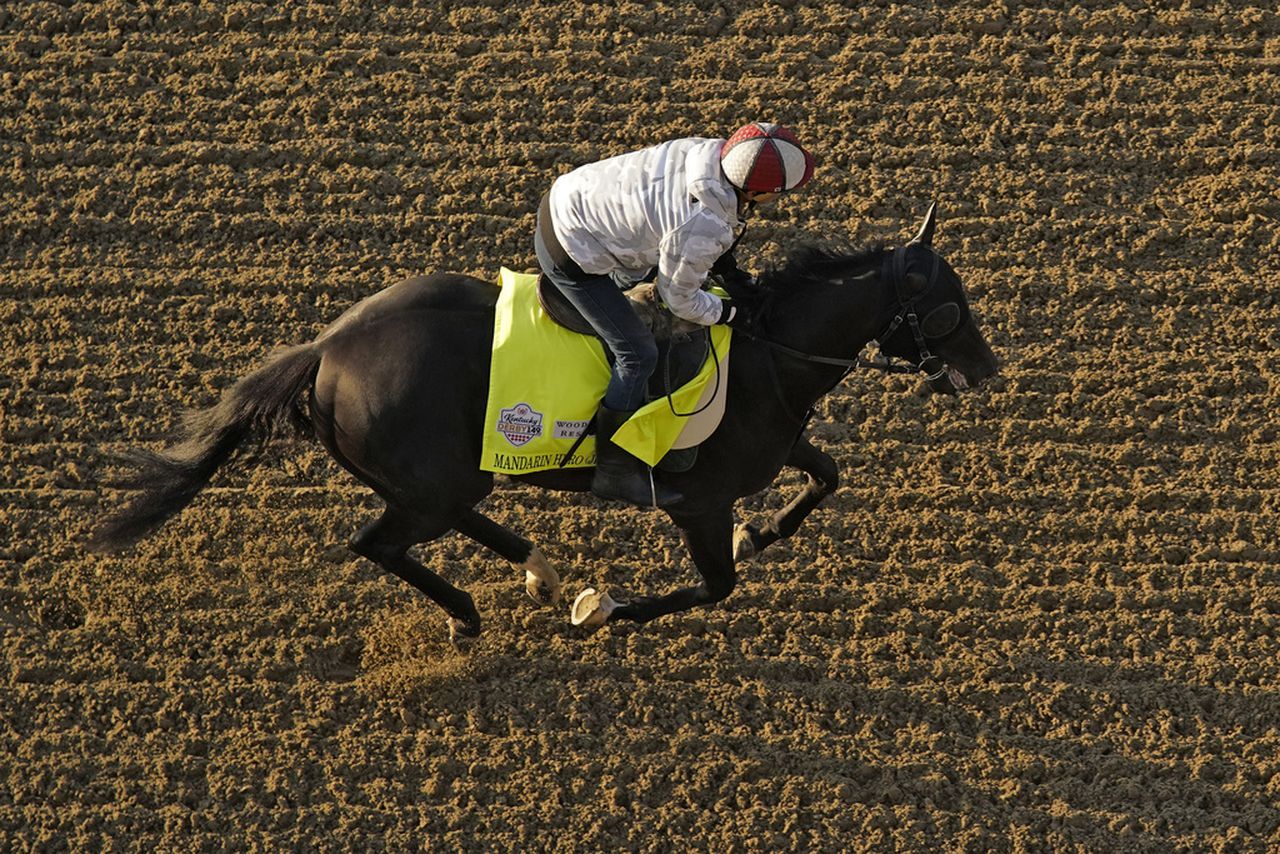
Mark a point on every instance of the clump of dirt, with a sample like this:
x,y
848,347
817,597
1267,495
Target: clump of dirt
x,y
1039,617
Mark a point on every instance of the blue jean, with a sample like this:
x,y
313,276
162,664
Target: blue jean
x,y
609,312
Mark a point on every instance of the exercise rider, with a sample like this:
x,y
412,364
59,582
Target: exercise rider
x,y
675,207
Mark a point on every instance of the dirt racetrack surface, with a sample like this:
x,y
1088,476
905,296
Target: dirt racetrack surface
x,y
1040,617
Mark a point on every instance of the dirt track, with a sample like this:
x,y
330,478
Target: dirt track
x,y
1039,617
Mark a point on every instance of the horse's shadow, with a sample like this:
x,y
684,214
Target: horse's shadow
x,y
1052,750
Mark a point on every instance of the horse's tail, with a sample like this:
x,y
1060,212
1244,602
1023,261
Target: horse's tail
x,y
266,404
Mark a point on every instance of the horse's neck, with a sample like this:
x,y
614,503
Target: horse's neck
x,y
834,320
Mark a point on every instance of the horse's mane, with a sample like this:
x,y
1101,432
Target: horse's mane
x,y
810,265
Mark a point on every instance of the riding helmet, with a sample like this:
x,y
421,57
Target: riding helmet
x,y
763,157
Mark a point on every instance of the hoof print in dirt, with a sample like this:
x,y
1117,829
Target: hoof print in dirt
x,y
336,664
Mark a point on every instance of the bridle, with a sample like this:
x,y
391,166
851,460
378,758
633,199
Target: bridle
x,y
895,269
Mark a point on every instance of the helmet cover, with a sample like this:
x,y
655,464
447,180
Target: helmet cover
x,y
763,157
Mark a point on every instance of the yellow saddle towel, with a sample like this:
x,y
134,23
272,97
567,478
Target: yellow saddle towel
x,y
545,383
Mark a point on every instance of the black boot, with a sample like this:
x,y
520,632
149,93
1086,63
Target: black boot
x,y
620,476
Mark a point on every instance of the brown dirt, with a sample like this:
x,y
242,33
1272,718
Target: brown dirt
x,y
1040,617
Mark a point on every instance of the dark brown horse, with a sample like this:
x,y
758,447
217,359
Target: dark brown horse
x,y
396,390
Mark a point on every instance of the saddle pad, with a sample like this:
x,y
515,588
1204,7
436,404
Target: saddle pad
x,y
545,383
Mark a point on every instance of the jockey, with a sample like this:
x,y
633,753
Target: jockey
x,y
675,207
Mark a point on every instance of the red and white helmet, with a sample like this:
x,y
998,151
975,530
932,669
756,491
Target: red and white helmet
x,y
763,157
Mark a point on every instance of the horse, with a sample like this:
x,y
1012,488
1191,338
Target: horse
x,y
395,389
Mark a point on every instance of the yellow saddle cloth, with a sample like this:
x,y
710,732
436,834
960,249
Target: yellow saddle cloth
x,y
545,383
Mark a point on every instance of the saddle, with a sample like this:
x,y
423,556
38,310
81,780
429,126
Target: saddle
x,y
545,385
681,349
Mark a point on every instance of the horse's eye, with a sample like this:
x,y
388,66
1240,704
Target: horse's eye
x,y
942,321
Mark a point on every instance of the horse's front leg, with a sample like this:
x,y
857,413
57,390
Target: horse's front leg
x,y
824,477
709,538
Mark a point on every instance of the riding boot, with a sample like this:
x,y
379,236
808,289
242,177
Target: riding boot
x,y
620,476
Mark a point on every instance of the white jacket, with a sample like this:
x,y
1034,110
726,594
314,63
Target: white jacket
x,y
668,206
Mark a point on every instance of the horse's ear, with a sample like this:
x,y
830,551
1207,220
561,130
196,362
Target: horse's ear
x,y
925,234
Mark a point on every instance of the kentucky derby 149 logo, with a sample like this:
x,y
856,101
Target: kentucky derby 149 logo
x,y
520,423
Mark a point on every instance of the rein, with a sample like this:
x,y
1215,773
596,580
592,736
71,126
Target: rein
x,y
895,269
886,365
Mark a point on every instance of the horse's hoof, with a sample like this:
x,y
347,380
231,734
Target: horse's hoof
x,y
541,582
744,544
462,634
539,591
592,609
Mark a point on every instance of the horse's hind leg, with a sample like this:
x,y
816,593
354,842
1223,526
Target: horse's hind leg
x,y
386,542
824,477
541,581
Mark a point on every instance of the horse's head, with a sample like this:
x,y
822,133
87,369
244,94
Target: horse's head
x,y
931,324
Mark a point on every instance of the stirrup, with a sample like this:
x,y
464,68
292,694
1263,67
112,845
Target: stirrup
x,y
669,496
